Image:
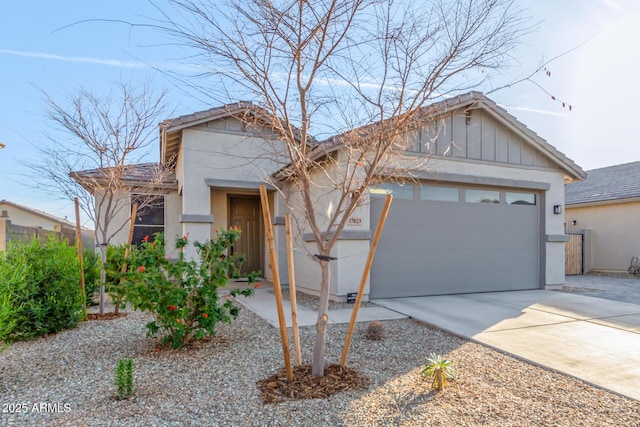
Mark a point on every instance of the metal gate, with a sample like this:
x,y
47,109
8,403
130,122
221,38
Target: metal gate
x,y
573,255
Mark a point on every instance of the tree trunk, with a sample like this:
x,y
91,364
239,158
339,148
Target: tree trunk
x,y
321,325
103,275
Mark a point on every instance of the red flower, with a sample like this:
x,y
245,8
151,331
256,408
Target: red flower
x,y
145,239
257,285
172,307
235,228
141,268
205,315
184,237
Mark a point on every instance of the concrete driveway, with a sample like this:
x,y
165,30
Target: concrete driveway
x,y
594,339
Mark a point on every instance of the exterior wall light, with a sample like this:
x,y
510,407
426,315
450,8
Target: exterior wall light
x,y
557,209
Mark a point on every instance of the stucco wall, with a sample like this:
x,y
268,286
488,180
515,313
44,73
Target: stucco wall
x,y
615,236
210,153
172,229
117,226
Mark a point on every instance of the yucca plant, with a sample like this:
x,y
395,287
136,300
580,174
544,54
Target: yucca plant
x,y
124,378
439,370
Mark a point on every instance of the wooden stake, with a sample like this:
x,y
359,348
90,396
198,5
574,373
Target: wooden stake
x,y
127,250
80,254
276,280
363,280
292,291
132,223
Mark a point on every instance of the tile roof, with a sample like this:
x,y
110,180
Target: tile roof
x,y
210,114
606,184
137,173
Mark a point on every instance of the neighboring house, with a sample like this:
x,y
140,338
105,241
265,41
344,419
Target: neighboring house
x,y
605,208
22,222
484,213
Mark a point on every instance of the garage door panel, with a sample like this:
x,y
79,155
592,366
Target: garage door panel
x,y
432,248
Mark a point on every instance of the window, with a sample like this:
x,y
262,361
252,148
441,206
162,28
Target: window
x,y
442,194
149,217
482,196
520,198
398,191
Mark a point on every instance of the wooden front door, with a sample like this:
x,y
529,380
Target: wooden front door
x,y
244,212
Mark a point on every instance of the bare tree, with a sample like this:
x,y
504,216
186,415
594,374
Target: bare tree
x,y
97,160
362,69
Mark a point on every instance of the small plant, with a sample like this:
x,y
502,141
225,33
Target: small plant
x,y
439,370
124,378
114,275
91,263
375,331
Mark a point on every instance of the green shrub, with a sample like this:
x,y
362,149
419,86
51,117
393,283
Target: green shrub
x,y
12,285
114,275
124,378
39,289
183,294
91,267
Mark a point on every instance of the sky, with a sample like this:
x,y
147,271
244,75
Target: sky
x,y
53,47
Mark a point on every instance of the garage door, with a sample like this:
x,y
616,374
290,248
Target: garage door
x,y
449,240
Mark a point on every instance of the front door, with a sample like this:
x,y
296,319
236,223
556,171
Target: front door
x,y
244,212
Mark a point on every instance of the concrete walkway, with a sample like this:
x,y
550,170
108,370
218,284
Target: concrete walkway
x,y
263,303
594,339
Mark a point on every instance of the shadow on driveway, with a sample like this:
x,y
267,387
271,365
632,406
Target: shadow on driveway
x,y
570,333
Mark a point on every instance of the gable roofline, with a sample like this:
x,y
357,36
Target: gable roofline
x,y
476,100
41,214
171,129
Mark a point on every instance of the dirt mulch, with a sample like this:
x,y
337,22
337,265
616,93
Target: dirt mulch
x,y
105,316
336,379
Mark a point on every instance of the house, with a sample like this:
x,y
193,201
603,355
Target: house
x,y
18,221
483,214
605,209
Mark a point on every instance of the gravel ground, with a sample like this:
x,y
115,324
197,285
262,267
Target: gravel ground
x,y
214,383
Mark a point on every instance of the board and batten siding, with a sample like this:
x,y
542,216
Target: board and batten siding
x,y
476,135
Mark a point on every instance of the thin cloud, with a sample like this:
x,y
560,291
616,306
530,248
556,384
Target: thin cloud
x,y
77,59
612,4
532,110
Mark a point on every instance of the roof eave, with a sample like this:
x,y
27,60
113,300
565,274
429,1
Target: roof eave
x,y
614,201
